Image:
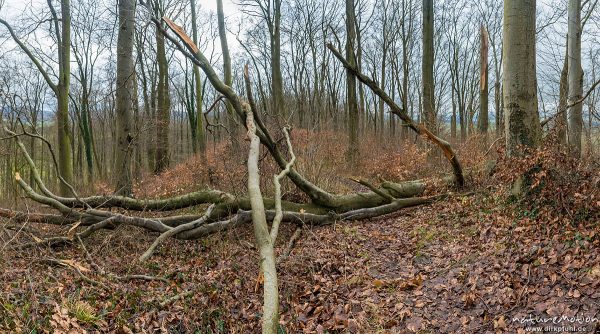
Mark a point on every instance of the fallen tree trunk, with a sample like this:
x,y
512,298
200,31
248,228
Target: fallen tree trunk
x,y
94,219
191,227
227,203
32,217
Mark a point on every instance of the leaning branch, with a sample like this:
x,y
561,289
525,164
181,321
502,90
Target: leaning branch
x,y
570,105
459,179
29,54
317,195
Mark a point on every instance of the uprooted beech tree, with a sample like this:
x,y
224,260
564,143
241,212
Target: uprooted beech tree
x,y
90,214
226,209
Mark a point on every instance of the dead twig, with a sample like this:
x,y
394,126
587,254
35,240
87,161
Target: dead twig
x,y
78,269
175,298
103,272
492,146
288,250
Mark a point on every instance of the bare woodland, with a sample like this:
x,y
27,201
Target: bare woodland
x,y
465,132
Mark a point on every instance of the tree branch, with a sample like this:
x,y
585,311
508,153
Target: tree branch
x,y
277,181
174,231
567,107
459,179
29,54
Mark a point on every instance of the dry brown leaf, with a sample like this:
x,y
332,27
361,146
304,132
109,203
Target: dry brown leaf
x,y
414,324
378,283
71,231
500,323
595,272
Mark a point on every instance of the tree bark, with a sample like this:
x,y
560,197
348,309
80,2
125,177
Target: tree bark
x,y
125,97
561,121
277,79
575,77
427,67
351,98
227,76
197,129
65,158
483,87
453,117
519,77
163,114
270,317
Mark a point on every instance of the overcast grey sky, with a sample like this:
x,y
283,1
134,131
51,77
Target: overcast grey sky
x,y
13,8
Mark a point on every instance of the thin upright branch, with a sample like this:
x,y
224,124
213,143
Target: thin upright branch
x,y
277,181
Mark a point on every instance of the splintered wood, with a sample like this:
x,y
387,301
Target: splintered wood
x,y
181,33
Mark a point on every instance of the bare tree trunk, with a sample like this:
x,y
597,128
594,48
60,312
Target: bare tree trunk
x,y
519,78
83,112
561,121
277,80
381,104
125,97
483,87
453,118
228,80
137,129
427,67
270,317
575,77
351,98
65,159
197,129
163,115
499,116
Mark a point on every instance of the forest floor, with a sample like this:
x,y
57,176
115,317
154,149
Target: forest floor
x,y
455,266
478,263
